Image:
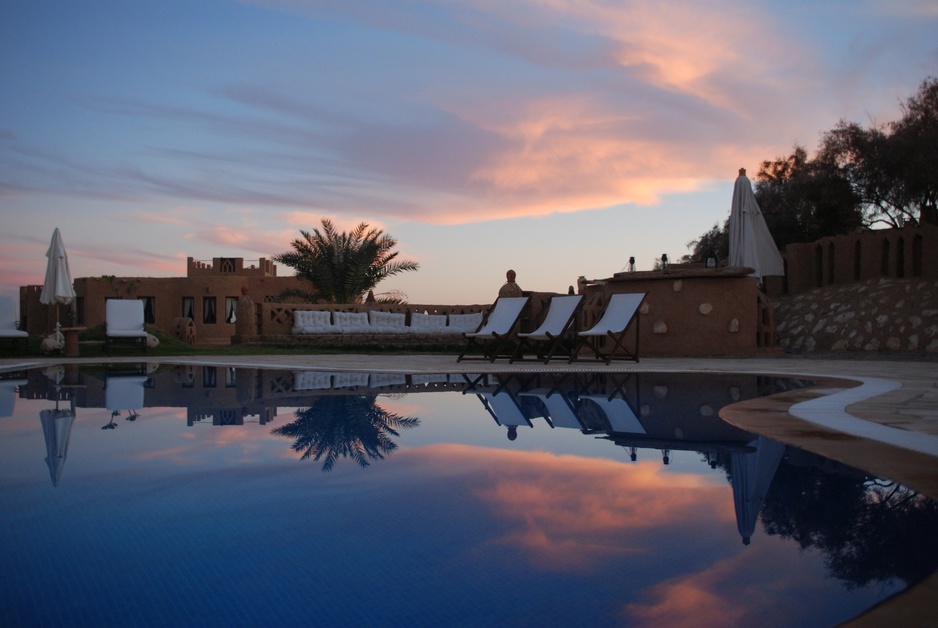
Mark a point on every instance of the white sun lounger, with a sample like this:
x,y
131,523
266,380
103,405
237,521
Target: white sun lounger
x,y
617,319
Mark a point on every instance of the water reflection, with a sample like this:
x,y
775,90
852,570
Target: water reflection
x,y
868,530
347,426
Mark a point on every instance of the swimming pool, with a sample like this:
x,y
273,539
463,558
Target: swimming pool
x,y
136,495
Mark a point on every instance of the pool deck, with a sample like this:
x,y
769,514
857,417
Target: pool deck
x,y
880,415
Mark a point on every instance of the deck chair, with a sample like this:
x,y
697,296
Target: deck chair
x,y
497,330
616,320
560,410
553,334
618,414
504,408
9,327
125,392
123,321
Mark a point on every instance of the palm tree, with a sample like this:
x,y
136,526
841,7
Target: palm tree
x,y
350,426
342,267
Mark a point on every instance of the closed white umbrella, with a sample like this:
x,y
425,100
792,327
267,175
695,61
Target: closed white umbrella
x,y
751,244
57,288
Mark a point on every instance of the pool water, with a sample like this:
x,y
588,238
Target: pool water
x,y
180,495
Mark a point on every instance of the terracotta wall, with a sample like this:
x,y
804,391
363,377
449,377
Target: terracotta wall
x,y
910,252
222,279
695,312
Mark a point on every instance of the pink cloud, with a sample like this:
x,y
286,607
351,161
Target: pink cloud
x,y
555,516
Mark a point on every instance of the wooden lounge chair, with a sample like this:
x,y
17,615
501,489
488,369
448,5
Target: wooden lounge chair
x,y
504,408
617,318
618,414
124,321
9,328
560,410
554,333
497,330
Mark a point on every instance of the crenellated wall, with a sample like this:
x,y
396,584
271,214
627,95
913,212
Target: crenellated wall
x,y
905,253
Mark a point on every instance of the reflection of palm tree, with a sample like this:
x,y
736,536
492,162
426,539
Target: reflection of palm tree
x,y
351,426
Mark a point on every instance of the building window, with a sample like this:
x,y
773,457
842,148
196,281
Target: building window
x,y
188,307
231,377
209,315
149,310
231,308
209,377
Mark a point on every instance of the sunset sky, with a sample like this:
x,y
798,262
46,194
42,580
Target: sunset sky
x,y
554,137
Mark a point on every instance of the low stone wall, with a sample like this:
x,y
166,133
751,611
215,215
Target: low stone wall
x,y
884,315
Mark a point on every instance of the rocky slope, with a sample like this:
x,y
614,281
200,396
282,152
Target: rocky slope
x,y
886,316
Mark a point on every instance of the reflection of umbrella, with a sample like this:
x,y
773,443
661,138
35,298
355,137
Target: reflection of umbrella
x,y
56,428
752,474
57,287
751,244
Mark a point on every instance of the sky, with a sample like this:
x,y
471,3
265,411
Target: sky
x,y
554,137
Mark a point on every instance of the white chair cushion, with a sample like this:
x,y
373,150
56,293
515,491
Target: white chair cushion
x,y
351,322
464,322
427,323
386,322
312,322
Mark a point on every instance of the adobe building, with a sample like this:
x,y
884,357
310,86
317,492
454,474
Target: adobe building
x,y
198,308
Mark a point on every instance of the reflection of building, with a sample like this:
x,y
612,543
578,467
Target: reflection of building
x,y
204,302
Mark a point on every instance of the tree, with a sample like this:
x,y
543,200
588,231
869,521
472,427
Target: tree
x,y
343,266
892,168
715,243
803,199
860,177
346,426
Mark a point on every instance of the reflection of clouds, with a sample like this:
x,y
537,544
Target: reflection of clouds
x,y
742,590
246,444
557,517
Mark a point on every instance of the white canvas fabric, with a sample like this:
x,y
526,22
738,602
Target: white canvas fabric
x,y
57,287
751,244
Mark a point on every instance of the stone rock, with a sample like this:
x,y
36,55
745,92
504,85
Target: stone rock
x,y
872,345
893,343
660,327
840,345
677,285
661,391
733,327
644,308
705,308
810,343
706,410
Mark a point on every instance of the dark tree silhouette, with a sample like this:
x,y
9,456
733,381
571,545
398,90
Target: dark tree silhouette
x,y
869,531
347,426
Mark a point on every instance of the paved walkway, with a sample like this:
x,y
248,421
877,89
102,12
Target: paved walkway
x,y
878,415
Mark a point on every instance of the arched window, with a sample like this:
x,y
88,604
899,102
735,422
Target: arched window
x,y
917,256
818,266
857,257
884,259
900,258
